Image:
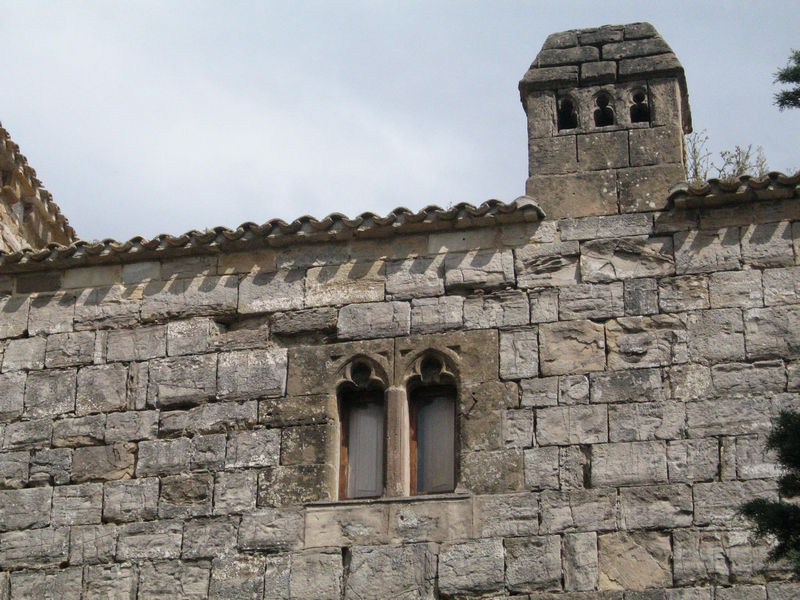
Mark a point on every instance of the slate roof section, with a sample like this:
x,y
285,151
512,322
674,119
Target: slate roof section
x,y
740,190
275,233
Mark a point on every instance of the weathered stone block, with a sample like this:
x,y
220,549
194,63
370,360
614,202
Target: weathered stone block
x,y
210,418
51,466
478,359
50,393
636,385
109,582
185,495
655,507
626,258
772,332
693,460
430,521
640,296
590,301
656,146
345,284
473,567
646,421
256,448
544,305
573,389
634,561
166,579
541,468
77,504
272,291
21,509
767,245
685,292
492,471
154,540
272,529
579,555
728,416
24,353
539,392
508,515
46,585
550,155
91,544
69,349
706,251
415,277
295,484
574,194
12,390
276,576
140,343
687,382
164,457
736,289
636,342
83,431
51,313
14,469
209,538
571,347
297,410
101,388
565,425
316,575
14,312
235,492
749,378
479,269
506,308
191,336
182,380
103,462
190,297
642,188
519,354
374,320
252,373
433,315
403,571
716,335
27,434
132,426
346,525
240,578
299,322
133,500
718,503
603,150
549,264
518,428
306,444
113,306
533,563
699,556
34,548
578,510
573,464
629,463
754,461
781,286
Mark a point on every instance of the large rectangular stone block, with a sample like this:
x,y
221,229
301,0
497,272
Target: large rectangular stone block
x,y
736,289
707,250
434,315
693,460
131,500
519,354
77,504
24,353
578,510
717,503
479,269
402,571
182,380
218,417
579,555
565,425
34,548
140,343
533,563
643,421
51,313
157,540
471,568
111,306
70,349
272,530
316,575
345,284
50,393
415,277
14,313
634,561
12,392
547,264
636,342
629,463
574,194
346,525
626,258
656,507
272,291
101,388
374,320
728,416
505,308
590,301
506,515
21,509
571,347
772,332
161,580
768,245
252,373
91,544
190,297
103,462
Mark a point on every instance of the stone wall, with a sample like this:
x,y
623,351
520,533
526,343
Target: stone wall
x,y
169,426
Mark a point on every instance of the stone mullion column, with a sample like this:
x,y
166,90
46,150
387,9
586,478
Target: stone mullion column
x,y
397,443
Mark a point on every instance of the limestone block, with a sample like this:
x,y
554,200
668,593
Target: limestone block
x,y
28,507
235,492
636,342
51,466
718,503
533,563
132,426
182,298
626,258
77,504
685,292
172,579
188,266
345,284
629,463
634,561
103,462
574,194
473,567
541,122
304,321
109,582
571,347
687,382
434,315
69,349
489,396
599,72
47,585
716,335
693,460
185,495
655,507
307,444
101,388
415,277
602,150
635,385
726,416
34,548
346,525
557,154
544,305
251,373
111,306
14,311
164,457
656,146
640,296
191,336
478,269
579,554
316,575
12,388
772,332
28,434
14,469
240,578
519,354
707,250
518,428
644,188
590,301
736,289
646,421
403,572
276,576
374,320
578,510
271,292
783,590
295,484
749,378
262,260
753,460
541,468
24,353
431,521
611,226
699,556
547,264
131,500
83,431
210,538
742,592
297,410
210,418
254,448
507,515
573,464
313,255
493,471
577,424
138,381
768,245
781,286
140,343
539,392
91,544
182,380
51,313
154,540
50,393
573,389
505,308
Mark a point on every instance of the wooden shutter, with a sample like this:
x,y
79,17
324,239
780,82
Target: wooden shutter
x,y
435,443
365,435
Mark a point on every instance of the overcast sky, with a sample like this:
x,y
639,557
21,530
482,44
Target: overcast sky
x,y
150,117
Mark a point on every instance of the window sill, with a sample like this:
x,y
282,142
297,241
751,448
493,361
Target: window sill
x,y
390,500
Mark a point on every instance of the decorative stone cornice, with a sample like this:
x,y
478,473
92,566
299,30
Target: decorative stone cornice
x,y
740,190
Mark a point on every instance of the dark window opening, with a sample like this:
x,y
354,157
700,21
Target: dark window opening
x,y
604,114
567,117
433,439
640,111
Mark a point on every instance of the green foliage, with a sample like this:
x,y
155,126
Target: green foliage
x,y
742,160
789,75
782,519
